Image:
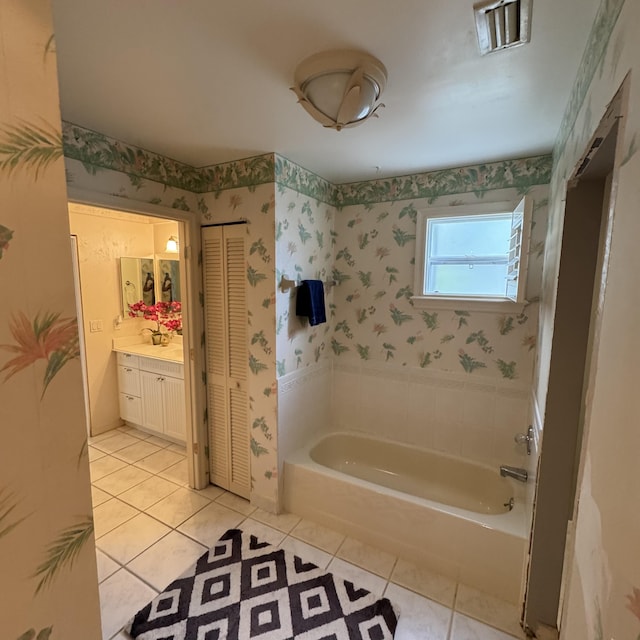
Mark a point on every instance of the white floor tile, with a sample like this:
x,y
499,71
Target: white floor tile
x,y
131,538
122,595
117,441
106,566
104,466
210,523
306,552
282,521
178,507
465,628
326,539
110,515
425,582
102,436
160,442
95,454
359,577
147,493
177,473
178,448
98,496
489,609
121,480
263,532
420,618
134,452
159,461
236,503
136,433
211,492
367,557
167,559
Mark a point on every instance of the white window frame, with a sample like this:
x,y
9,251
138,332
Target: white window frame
x,y
514,301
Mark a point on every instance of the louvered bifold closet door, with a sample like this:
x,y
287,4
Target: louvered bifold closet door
x,y
224,269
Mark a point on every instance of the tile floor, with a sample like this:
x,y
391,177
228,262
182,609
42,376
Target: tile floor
x,y
150,527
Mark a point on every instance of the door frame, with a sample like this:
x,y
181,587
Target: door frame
x,y
189,225
546,591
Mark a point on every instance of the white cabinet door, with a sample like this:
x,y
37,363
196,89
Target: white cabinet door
x,y
129,380
130,408
174,407
152,401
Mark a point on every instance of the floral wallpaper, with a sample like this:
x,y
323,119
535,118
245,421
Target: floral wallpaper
x,y
46,526
304,250
602,596
375,318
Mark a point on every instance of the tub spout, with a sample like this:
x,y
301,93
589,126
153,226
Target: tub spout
x,y
514,472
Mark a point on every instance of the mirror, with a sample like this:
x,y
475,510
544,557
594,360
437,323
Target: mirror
x,y
137,278
169,280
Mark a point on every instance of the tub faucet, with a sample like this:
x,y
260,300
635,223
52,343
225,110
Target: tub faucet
x,y
514,472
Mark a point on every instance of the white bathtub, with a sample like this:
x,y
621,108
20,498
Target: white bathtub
x,y
443,513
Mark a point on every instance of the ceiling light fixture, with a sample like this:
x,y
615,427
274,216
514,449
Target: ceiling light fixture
x,y
172,245
340,88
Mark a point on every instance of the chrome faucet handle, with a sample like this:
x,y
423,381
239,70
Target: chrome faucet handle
x,y
525,438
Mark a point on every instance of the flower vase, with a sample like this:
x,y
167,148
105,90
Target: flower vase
x,y
156,338
164,340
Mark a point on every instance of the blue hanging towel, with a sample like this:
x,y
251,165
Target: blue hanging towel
x,y
310,301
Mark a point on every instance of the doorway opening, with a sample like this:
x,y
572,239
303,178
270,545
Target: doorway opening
x,y
586,231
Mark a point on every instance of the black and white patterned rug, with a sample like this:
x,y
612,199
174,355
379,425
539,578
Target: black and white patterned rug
x,y
244,589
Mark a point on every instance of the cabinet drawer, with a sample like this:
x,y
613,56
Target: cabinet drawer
x,y
166,367
130,408
129,380
128,360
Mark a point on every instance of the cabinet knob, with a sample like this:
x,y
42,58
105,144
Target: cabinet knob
x,y
128,370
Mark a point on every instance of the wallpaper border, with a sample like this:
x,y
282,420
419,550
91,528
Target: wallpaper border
x,y
597,44
97,152
521,174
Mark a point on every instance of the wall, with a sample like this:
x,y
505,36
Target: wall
x,y
304,250
603,597
470,372
45,503
458,380
103,238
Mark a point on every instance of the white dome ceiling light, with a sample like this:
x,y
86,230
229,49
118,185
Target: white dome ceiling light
x,y
340,88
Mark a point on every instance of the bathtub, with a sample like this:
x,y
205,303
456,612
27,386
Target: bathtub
x,y
445,514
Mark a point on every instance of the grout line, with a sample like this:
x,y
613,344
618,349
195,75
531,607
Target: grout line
x,y
453,611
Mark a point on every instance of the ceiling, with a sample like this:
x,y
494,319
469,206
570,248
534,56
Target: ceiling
x,y
207,81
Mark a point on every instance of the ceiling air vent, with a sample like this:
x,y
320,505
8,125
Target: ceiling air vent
x,y
502,24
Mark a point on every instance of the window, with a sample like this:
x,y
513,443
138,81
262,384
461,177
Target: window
x,y
473,253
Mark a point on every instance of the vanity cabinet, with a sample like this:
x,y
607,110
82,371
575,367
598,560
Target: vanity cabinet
x,y
152,395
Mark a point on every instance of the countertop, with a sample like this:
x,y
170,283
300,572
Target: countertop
x,y
172,352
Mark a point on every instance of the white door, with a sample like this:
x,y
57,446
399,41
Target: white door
x,y
224,268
